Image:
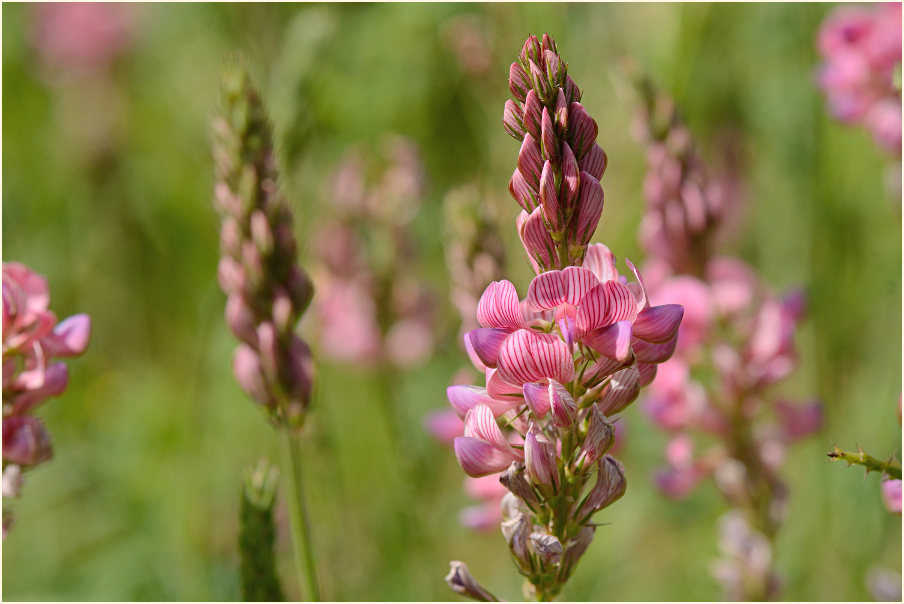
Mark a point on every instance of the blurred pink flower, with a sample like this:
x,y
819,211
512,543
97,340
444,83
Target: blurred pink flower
x,y
891,495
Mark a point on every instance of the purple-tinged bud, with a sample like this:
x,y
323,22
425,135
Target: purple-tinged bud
x,y
548,44
646,352
301,290
576,548
25,441
514,480
572,92
561,113
622,389
240,319
283,311
549,201
268,349
562,404
300,376
647,373
531,49
247,369
600,436
595,162
536,239
230,275
511,505
582,130
540,460
522,193
548,548
486,342
537,398
589,208
252,264
512,120
658,324
548,140
610,485
261,233
555,68
540,81
519,82
530,162
284,237
461,582
533,114
516,532
224,200
571,177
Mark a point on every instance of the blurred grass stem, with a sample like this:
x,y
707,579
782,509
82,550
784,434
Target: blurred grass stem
x,y
298,514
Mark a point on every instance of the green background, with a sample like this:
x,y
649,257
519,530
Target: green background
x,y
153,434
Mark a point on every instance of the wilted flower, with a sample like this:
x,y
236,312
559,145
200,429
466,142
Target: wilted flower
x,y
31,339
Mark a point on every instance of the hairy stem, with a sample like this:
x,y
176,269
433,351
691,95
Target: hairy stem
x,y
890,468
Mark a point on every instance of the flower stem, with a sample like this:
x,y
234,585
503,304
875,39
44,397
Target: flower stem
x,y
298,514
890,468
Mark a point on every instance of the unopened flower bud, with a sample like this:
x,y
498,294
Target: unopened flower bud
x,y
562,404
610,486
261,233
517,534
548,548
461,582
514,480
540,460
600,435
240,319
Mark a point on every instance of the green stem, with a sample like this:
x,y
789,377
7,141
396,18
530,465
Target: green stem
x,y
890,468
298,514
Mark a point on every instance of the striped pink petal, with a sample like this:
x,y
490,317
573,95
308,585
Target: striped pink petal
x,y
537,398
646,352
479,458
621,305
638,289
594,163
499,389
485,343
570,176
582,130
572,92
589,209
533,114
536,239
522,193
528,356
530,162
601,262
463,398
658,323
613,341
512,120
548,198
498,307
562,404
472,354
546,290
578,281
592,310
549,142
622,389
480,423
519,83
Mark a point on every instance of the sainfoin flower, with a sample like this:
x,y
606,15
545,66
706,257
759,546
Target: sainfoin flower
x,y
861,48
266,290
736,341
32,338
562,362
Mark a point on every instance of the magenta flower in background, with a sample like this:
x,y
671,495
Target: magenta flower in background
x,y
861,47
31,339
561,363
735,342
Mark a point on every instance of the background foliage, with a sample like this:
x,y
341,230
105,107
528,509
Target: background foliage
x,y
153,435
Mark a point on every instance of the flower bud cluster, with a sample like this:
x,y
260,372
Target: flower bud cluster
x,y
31,339
267,291
371,308
735,343
861,51
560,364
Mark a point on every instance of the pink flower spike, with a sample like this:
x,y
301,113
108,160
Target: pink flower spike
x,y
479,458
537,398
582,130
658,323
622,389
646,352
891,495
533,115
562,404
499,307
548,198
553,288
530,162
463,398
485,343
499,389
590,209
613,341
595,162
